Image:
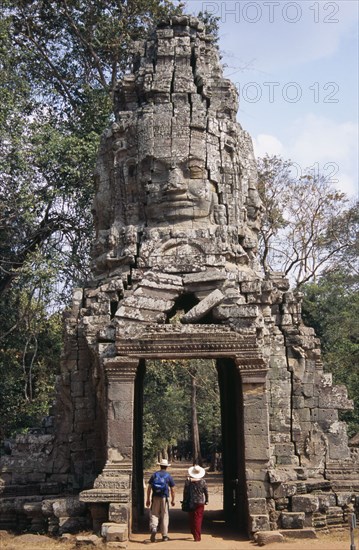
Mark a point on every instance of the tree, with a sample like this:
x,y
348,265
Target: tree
x,y
306,224
30,346
166,408
60,61
173,416
62,58
331,307
196,443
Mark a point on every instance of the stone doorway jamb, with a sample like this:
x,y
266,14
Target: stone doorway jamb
x,y
113,486
256,441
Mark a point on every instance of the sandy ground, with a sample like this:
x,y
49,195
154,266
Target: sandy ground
x,y
215,534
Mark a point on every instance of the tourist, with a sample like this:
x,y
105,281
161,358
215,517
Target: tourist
x,y
160,484
196,492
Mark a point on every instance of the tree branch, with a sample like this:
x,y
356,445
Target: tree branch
x,y
87,44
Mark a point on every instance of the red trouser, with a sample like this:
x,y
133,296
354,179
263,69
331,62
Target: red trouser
x,y
195,521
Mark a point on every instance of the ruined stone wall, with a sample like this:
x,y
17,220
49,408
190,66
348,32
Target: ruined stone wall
x,y
177,214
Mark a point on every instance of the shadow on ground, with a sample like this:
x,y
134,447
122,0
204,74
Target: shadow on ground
x,y
213,525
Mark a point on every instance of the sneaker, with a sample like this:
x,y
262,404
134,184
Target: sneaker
x,y
153,536
165,538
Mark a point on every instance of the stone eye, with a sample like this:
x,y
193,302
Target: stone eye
x,y
196,172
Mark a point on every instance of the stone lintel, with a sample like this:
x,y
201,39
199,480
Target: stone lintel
x,y
189,341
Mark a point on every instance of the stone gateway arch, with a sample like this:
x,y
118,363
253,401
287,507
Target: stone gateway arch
x,y
177,215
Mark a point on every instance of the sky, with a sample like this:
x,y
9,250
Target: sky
x,y
295,66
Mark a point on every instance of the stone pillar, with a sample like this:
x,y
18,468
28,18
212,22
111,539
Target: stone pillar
x,y
114,484
120,373
256,442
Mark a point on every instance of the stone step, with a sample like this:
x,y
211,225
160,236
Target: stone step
x,y
307,533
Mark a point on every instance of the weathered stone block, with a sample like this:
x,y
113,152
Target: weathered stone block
x,y
251,287
344,498
262,538
258,523
305,503
284,490
335,515
292,520
77,389
114,532
326,501
335,397
68,507
255,428
204,276
280,419
257,506
256,447
203,307
255,473
238,312
118,513
308,390
302,415
338,441
257,489
284,449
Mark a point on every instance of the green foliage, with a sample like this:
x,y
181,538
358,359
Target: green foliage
x,y
331,307
167,406
60,61
211,23
30,346
208,405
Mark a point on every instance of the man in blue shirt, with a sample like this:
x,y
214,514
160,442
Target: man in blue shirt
x,y
160,484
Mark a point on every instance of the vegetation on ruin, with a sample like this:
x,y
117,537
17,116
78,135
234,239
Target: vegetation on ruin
x,y
60,61
331,307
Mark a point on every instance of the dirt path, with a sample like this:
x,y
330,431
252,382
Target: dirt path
x,y
215,534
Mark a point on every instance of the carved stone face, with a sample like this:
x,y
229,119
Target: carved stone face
x,y
178,191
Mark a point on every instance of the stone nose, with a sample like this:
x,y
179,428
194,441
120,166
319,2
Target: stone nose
x,y
175,180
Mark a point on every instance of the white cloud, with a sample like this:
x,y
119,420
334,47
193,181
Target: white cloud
x,y
321,143
320,139
267,144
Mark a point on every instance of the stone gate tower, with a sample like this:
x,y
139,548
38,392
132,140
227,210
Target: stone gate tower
x,y
177,214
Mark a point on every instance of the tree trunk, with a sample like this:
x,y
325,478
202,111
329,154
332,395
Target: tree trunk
x,y
196,446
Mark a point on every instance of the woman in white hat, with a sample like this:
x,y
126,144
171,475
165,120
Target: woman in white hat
x,y
196,492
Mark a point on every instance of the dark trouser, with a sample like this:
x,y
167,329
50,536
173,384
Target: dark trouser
x,y
195,521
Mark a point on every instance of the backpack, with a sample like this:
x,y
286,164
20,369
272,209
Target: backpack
x,y
159,484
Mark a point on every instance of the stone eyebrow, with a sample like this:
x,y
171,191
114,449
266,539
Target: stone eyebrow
x,y
196,161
